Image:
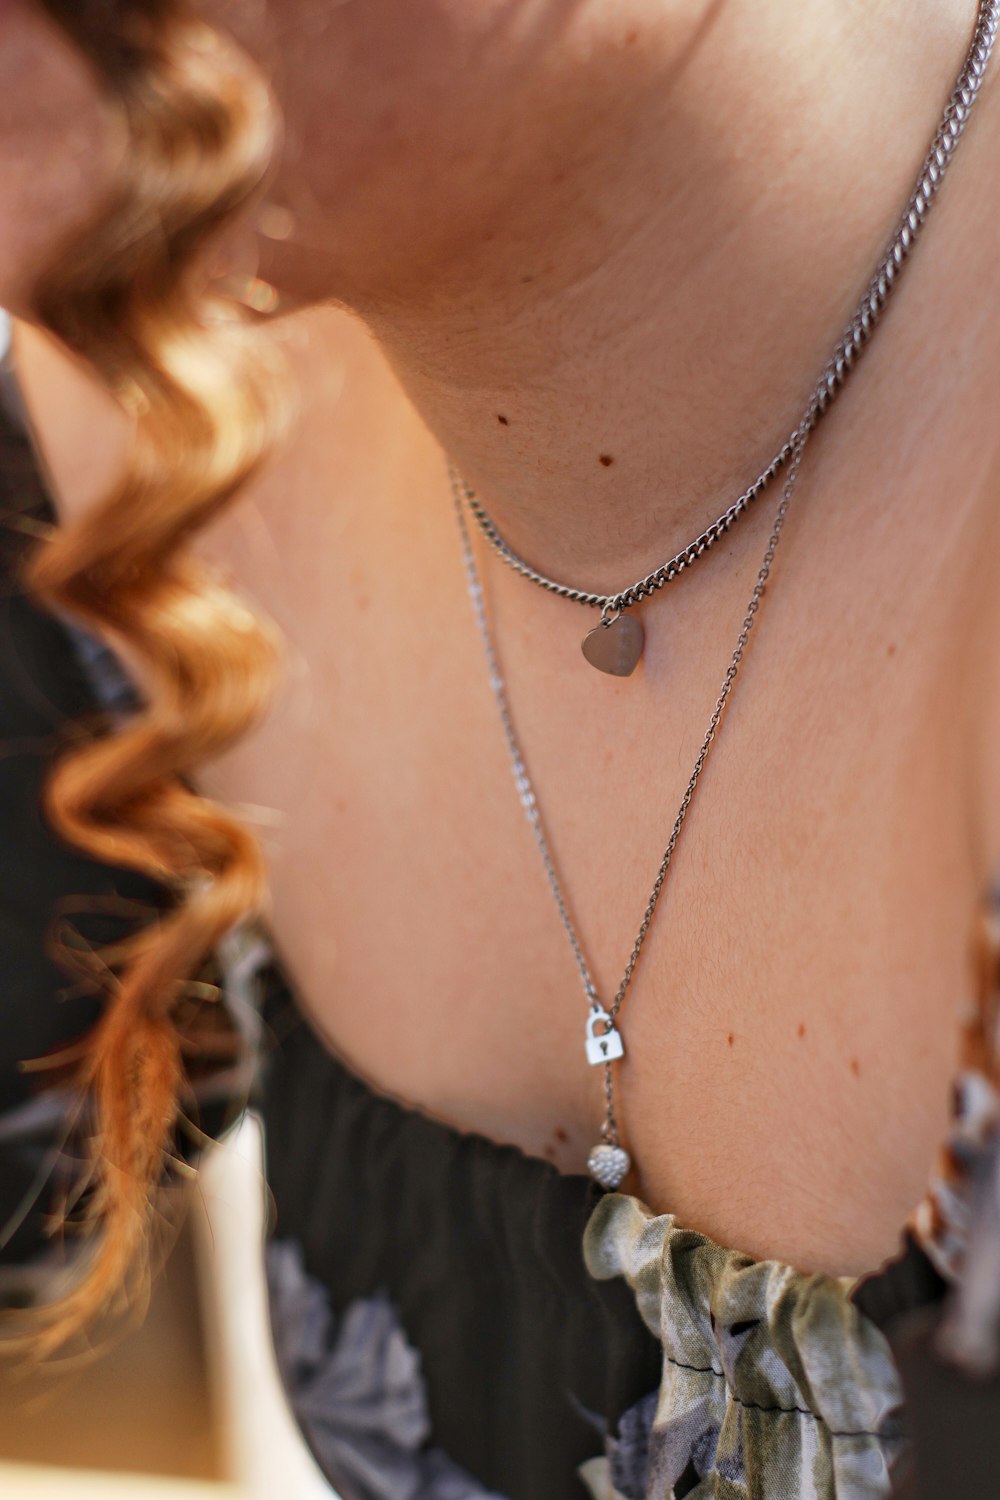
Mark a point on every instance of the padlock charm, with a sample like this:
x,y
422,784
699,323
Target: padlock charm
x,y
602,1046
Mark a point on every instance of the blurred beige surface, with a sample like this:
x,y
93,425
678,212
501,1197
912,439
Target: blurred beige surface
x,y
146,1405
24,1482
264,1447
190,1406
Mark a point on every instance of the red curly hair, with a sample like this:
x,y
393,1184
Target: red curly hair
x,y
131,297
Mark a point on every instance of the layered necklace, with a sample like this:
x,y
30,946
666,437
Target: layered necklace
x,y
615,645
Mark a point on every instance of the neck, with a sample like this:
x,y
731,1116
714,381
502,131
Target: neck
x,y
621,347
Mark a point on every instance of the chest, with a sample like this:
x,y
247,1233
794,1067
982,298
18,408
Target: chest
x,y
791,1029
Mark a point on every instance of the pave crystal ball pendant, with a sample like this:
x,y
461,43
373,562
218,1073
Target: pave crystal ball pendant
x,y
608,1165
615,645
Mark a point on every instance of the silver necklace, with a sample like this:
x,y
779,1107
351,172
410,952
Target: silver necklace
x,y
609,1161
616,644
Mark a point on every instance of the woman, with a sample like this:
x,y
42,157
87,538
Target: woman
x,y
597,257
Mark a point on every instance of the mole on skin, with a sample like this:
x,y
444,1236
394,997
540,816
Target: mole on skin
x,y
502,420
605,459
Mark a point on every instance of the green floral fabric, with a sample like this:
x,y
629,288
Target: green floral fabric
x,y
775,1386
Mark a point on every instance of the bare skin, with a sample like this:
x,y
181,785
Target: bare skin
x,y
791,1031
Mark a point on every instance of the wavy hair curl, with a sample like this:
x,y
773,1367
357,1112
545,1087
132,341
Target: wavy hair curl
x,y
132,297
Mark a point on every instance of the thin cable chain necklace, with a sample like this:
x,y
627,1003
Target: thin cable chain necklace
x,y
616,644
609,1162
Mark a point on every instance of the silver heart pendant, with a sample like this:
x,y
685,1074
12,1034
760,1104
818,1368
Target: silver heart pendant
x,y
608,1165
617,647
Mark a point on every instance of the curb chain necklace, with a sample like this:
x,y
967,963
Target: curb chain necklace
x,y
609,1161
615,645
